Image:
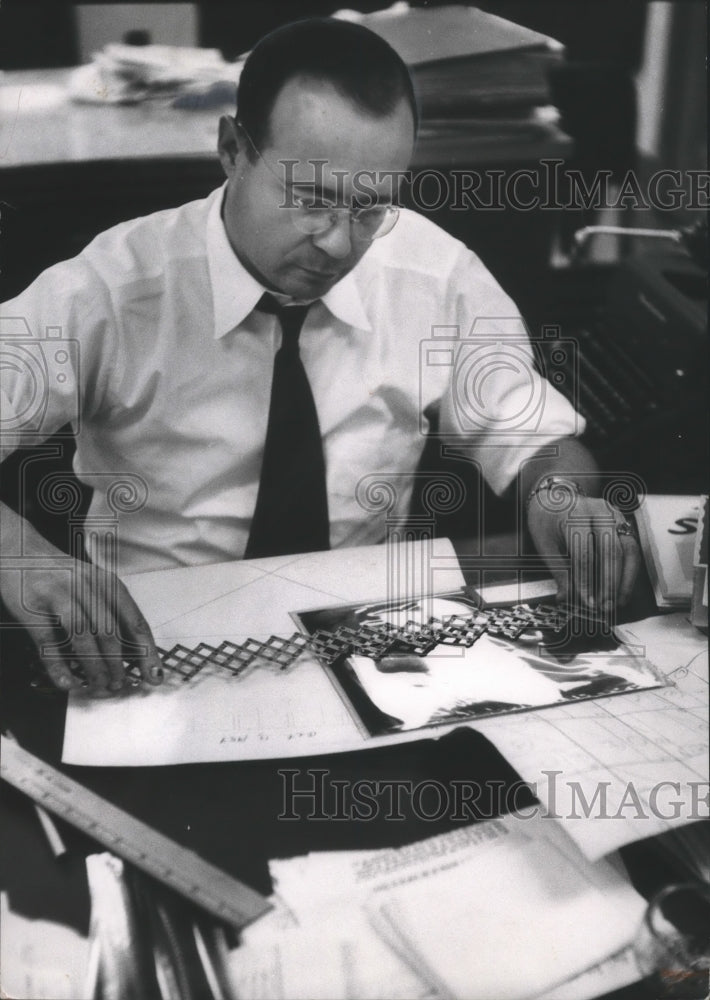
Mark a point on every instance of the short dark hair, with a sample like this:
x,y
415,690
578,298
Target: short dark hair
x,y
358,63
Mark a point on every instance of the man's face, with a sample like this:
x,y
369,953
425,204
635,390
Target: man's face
x,y
310,121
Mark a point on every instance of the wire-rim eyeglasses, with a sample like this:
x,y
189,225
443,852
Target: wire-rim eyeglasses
x,y
317,216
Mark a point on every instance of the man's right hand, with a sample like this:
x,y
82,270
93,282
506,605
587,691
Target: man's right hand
x,y
81,618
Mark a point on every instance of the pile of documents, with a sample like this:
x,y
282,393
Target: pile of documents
x,y
127,74
501,910
473,72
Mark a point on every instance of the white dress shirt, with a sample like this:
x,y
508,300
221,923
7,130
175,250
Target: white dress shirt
x,y
149,344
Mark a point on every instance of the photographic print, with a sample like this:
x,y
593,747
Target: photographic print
x,y
478,672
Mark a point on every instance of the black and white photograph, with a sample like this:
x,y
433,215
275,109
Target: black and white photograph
x,y
354,453
469,665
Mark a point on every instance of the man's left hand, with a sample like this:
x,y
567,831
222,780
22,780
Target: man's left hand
x,y
589,546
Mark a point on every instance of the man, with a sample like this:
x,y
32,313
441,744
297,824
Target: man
x,y
174,353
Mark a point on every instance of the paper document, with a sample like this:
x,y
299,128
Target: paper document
x,y
42,960
268,713
616,770
303,958
330,890
298,965
322,962
612,974
511,921
503,908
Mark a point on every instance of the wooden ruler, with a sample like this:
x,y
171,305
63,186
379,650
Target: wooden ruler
x,y
131,839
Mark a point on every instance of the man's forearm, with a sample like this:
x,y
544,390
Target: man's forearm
x,y
569,460
591,553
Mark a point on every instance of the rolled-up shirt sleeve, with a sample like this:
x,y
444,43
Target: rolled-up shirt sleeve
x,y
54,346
500,403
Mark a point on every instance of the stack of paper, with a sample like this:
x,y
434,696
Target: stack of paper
x,y
125,74
322,952
501,909
486,73
511,922
493,85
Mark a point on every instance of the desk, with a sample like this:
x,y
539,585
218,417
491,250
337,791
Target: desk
x,y
71,170
42,126
229,812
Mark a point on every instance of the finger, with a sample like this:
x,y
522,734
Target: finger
x,y
630,567
558,564
100,625
149,662
103,617
86,620
111,654
582,557
56,666
92,665
135,631
551,541
609,561
564,588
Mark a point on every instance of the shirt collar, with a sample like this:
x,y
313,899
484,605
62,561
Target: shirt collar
x,y
345,303
235,292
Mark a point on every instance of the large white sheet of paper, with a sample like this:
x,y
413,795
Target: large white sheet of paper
x,y
617,770
504,908
42,960
323,962
612,974
509,923
269,713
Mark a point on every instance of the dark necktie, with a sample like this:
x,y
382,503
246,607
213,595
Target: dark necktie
x,y
291,512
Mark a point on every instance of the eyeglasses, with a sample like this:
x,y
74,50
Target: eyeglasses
x,y
313,215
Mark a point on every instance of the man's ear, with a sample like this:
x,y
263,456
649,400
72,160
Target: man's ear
x,y
228,144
